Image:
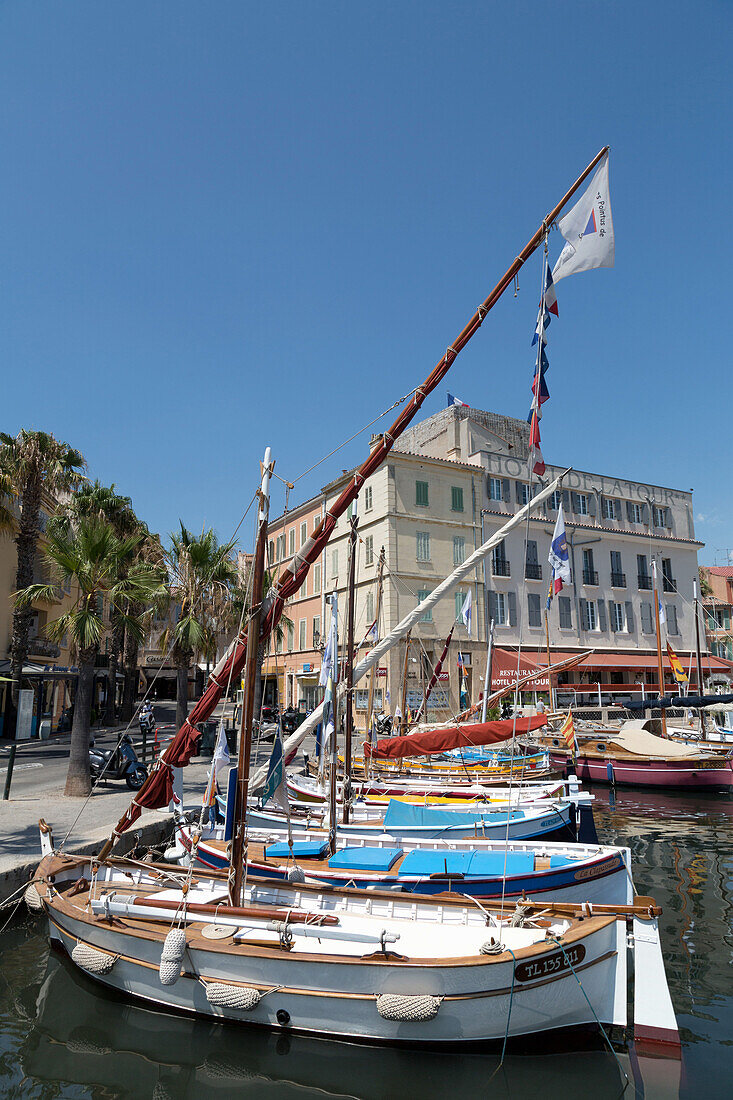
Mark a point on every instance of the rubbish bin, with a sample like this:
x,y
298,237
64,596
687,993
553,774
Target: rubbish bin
x,y
231,736
44,729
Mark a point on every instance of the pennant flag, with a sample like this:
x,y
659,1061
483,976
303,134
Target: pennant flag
x,y
676,665
455,401
329,673
540,392
588,229
463,700
567,730
466,612
538,462
559,557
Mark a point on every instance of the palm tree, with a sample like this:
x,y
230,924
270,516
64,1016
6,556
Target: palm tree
x,y
31,464
238,611
201,574
92,556
104,503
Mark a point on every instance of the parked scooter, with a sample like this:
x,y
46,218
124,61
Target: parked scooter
x,y
118,763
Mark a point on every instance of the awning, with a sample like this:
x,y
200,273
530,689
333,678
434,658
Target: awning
x,y
504,670
629,661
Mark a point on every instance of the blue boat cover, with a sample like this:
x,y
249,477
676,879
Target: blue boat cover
x,y
401,814
365,859
470,864
563,861
306,849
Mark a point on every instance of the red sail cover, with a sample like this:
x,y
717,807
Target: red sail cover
x,y
453,737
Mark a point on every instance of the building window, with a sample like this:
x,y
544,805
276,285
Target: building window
x,y
642,570
280,547
672,627
533,608
566,616
499,563
618,617
316,579
334,563
554,500
421,494
634,512
301,634
278,641
581,504
291,542
591,615
532,567
291,637
618,577
369,550
525,494
667,579
368,498
607,508
370,608
303,533
423,594
271,551
500,609
422,549
590,576
316,631
495,489
659,516
456,498
459,549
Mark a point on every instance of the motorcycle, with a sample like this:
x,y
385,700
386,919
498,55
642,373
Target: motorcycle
x,y
118,763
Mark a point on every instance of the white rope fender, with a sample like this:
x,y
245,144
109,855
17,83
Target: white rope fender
x,y
404,1009
96,962
171,959
232,996
33,898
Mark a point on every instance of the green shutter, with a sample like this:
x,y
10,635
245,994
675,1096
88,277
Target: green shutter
x,y
456,498
421,493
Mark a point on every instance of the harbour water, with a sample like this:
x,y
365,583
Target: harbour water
x,y
60,1036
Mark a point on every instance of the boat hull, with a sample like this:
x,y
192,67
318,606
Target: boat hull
x,y
673,774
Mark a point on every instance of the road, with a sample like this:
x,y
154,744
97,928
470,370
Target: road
x,y
42,765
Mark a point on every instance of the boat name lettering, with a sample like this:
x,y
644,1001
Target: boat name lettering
x,y
599,869
719,765
550,964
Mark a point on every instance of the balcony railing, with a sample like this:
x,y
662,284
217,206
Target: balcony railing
x,y
668,583
500,567
645,581
590,576
533,571
618,580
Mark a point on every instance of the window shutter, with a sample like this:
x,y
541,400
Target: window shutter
x,y
645,513
591,504
617,509
533,608
672,619
566,615
602,615
575,503
493,607
668,518
512,603
611,616
566,500
646,619
531,552
518,491
506,490
630,625
584,620
629,512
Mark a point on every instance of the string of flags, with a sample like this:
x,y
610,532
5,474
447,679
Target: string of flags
x,y
588,232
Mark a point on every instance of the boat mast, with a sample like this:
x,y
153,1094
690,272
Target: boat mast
x,y
236,867
660,666
487,674
403,702
349,717
370,701
698,660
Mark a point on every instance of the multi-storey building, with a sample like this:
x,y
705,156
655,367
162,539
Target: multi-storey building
x,y
718,615
453,480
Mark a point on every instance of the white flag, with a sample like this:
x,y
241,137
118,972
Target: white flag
x,y
220,758
466,612
588,229
662,616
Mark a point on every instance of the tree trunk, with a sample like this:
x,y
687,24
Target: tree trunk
x,y
182,662
118,631
78,783
131,674
25,541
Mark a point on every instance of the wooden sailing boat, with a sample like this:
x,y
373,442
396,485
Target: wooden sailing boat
x,y
338,962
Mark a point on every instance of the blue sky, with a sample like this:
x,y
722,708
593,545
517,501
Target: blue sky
x,y
227,225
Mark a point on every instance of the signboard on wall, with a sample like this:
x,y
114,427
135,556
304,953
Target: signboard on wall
x,y
24,724
438,700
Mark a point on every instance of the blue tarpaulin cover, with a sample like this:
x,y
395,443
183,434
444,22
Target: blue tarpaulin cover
x,y
472,864
407,813
307,849
365,859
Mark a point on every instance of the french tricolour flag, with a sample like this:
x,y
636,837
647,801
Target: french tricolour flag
x,y
455,401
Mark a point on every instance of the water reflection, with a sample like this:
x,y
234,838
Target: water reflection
x,y
60,1035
